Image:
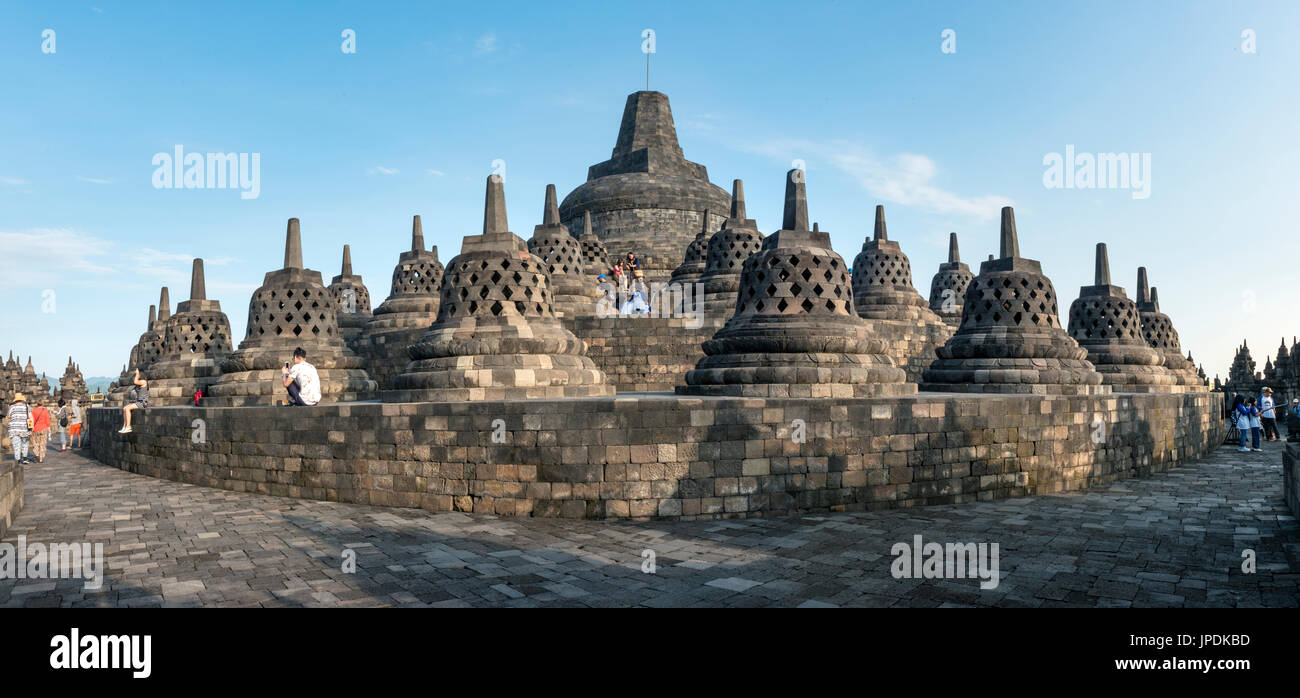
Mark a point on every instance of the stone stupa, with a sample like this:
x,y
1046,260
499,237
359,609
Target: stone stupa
x,y
595,258
353,299
1010,339
696,259
647,197
883,293
1105,322
728,249
572,293
1159,332
291,309
196,340
496,336
948,287
794,332
411,306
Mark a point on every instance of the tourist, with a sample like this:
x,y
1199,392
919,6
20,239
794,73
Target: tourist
x,y
137,399
20,428
621,279
633,266
302,380
1241,412
198,395
74,423
1254,424
1268,415
40,429
61,420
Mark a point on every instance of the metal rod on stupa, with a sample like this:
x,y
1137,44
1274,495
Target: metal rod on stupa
x,y
954,256
1103,266
796,202
293,245
417,235
198,286
1010,244
494,206
880,233
347,261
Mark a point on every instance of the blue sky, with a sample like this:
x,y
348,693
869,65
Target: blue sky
x,y
355,144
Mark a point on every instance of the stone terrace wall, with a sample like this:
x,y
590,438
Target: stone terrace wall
x,y
11,494
642,354
1291,476
667,456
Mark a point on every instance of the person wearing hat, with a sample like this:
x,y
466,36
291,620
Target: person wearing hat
x,y
1268,414
20,428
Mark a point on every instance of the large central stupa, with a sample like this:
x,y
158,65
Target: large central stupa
x,y
647,197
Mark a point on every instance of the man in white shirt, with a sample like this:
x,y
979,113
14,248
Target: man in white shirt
x,y
302,381
1268,415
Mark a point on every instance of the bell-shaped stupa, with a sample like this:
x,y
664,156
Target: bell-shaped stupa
x,y
1105,322
496,336
647,197
353,299
573,294
411,306
196,340
883,293
727,251
1010,339
291,309
1159,332
595,258
794,332
695,261
948,287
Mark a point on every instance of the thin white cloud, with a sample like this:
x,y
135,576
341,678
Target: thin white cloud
x,y
12,181
37,256
486,44
379,169
96,10
94,180
437,173
907,178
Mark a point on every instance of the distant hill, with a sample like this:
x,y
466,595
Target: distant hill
x,y
97,384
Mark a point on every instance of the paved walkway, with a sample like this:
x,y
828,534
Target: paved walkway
x,y
1175,539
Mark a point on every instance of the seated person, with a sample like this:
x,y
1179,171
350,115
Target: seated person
x,y
302,381
137,399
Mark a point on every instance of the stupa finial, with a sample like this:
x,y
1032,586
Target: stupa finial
x,y
880,233
551,214
347,261
738,199
494,206
1010,246
954,256
796,202
293,245
417,235
1103,266
1143,291
198,285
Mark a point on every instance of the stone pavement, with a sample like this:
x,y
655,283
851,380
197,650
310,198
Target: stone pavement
x,y
1174,539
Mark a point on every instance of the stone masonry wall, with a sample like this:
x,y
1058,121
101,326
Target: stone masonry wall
x,y
667,456
642,354
11,494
